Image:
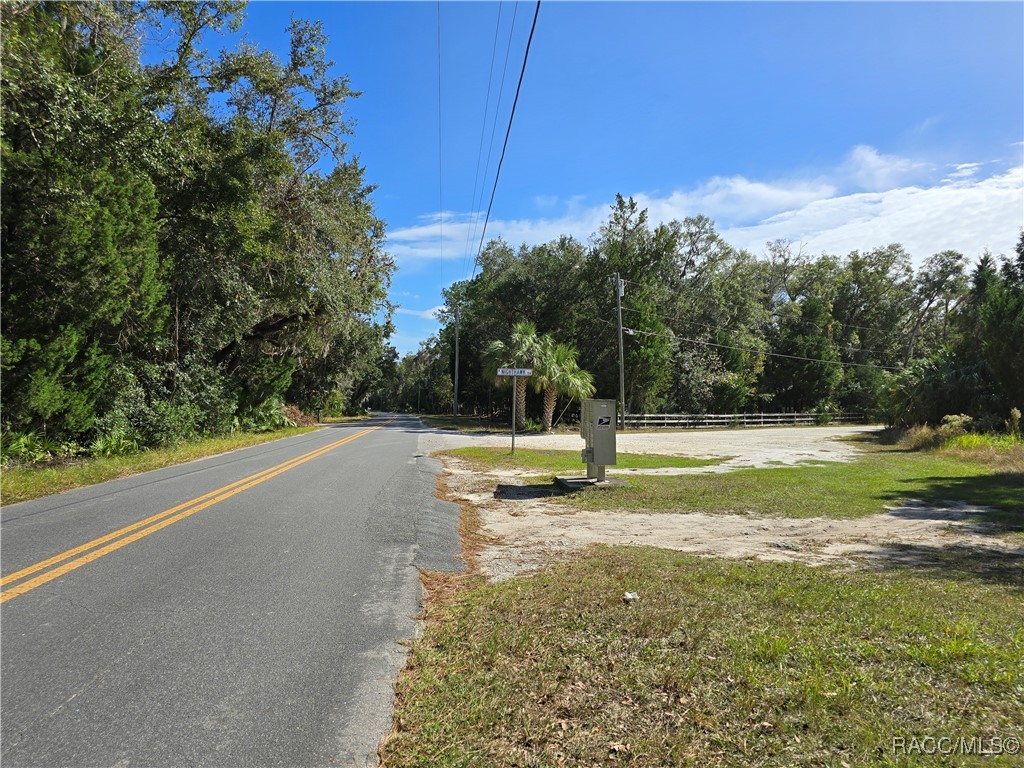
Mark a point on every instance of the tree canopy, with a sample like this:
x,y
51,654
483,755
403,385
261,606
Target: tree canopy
x,y
714,329
194,229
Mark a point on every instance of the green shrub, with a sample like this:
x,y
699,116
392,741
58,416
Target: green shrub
x,y
975,440
824,413
118,442
954,425
265,417
1013,424
27,447
532,425
173,423
208,391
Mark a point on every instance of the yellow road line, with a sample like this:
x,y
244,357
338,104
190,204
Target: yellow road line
x,y
142,523
156,522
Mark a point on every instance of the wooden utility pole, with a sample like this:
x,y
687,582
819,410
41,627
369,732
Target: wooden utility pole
x,y
620,288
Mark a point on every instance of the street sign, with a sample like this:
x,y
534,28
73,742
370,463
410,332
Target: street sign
x,y
515,373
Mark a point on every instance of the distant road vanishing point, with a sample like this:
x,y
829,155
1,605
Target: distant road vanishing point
x,y
244,609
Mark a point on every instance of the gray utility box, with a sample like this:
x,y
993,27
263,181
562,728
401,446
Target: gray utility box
x,y
597,426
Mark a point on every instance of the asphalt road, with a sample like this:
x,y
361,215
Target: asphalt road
x,y
241,610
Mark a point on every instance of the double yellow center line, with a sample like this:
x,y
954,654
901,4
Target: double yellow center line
x,y
56,566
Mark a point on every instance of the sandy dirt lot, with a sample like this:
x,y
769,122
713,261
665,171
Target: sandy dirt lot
x,y
745,447
526,532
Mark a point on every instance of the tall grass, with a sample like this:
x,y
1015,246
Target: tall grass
x,y
975,441
21,483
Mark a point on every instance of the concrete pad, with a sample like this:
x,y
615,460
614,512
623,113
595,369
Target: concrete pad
x,y
579,483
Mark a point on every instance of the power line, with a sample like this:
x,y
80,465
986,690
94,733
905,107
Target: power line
x,y
440,165
634,332
508,131
727,329
494,127
674,337
483,129
776,313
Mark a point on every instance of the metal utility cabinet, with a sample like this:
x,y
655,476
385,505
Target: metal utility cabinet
x,y
597,427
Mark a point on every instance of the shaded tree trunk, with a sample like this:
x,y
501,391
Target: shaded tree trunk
x,y
550,398
520,402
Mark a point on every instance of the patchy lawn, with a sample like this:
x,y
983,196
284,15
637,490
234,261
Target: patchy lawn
x,y
555,461
835,489
719,663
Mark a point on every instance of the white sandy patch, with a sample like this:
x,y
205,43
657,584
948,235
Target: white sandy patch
x,y
763,447
528,531
530,536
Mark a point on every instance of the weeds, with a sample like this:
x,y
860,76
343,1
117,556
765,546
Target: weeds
x,y
720,663
20,483
27,447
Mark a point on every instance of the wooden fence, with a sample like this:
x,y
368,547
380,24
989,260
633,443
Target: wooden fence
x,y
721,420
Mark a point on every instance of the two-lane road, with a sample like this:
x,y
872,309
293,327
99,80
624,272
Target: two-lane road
x,y
240,610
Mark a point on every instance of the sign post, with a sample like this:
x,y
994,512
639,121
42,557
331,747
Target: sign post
x,y
515,373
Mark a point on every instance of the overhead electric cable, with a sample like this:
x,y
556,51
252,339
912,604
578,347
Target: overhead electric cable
x,y
494,125
508,131
634,332
483,129
776,313
727,329
440,167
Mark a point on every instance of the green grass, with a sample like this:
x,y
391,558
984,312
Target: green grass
x,y
720,663
836,489
475,425
973,441
566,461
882,476
344,419
24,483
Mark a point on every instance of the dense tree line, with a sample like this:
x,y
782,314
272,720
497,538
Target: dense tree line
x,y
711,328
187,240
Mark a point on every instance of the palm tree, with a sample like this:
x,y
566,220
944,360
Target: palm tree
x,y
522,351
558,373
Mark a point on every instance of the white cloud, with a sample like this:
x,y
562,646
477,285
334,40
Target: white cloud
x,y
406,343
964,216
735,199
425,314
868,200
870,170
925,126
963,171
421,246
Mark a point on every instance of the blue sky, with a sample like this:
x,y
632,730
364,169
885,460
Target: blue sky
x,y
835,125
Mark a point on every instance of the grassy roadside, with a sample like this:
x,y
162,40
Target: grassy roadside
x,y
732,663
720,663
882,475
345,419
554,461
467,424
24,483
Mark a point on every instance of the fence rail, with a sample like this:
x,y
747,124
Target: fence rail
x,y
712,420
